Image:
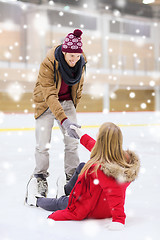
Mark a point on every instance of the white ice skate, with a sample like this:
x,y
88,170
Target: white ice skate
x,y
61,181
32,192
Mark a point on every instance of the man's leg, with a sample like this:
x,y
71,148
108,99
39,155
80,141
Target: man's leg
x,y
44,126
71,159
43,132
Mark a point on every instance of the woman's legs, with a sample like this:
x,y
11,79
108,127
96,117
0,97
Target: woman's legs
x,y
52,204
69,186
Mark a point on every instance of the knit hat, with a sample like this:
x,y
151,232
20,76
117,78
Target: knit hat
x,y
73,42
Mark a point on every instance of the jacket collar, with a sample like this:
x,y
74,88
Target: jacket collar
x,y
121,174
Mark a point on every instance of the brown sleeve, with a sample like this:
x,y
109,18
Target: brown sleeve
x,y
49,90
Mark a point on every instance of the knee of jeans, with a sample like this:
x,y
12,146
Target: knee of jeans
x,y
69,141
43,148
71,147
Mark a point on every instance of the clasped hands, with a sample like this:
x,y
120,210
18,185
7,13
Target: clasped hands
x,y
72,129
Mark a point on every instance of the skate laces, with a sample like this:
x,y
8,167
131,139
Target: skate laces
x,y
42,185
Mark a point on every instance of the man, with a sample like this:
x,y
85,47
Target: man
x,y
57,92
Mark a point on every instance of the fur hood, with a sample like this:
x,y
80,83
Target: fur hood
x,y
127,174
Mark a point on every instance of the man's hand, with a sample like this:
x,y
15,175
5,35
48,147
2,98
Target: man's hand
x,y
70,131
78,131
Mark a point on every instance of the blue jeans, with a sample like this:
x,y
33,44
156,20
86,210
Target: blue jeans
x,y
54,204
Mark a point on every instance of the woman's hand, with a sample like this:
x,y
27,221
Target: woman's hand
x,y
115,226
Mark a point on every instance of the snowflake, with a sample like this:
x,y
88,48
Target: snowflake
x,y
96,181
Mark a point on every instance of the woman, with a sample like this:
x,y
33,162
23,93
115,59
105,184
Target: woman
x,y
99,191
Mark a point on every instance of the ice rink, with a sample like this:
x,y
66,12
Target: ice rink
x,y
141,132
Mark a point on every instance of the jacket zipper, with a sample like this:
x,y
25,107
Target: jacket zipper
x,y
78,85
76,94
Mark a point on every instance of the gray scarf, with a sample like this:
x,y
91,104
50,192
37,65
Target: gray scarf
x,y
70,75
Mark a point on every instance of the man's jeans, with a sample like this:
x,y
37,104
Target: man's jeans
x,y
44,126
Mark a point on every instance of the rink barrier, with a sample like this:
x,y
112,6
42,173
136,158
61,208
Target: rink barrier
x,y
83,127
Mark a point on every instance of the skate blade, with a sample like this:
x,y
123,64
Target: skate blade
x,y
26,196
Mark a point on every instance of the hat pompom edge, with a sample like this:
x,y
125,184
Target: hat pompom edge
x,y
77,32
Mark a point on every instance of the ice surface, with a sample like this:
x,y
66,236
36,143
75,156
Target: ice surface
x,y
141,132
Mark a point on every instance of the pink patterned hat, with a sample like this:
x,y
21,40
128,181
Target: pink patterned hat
x,y
73,42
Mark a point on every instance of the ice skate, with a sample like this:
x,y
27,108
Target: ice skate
x,y
42,186
68,178
61,181
32,192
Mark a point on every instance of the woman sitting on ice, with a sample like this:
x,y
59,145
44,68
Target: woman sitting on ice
x,y
99,191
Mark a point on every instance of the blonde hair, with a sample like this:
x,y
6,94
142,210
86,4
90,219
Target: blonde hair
x,y
108,148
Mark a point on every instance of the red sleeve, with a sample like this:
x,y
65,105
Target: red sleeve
x,y
115,195
87,142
